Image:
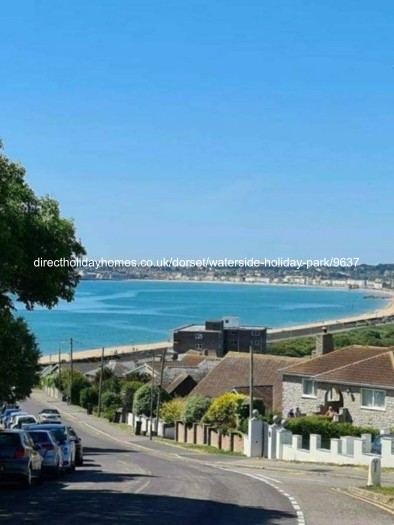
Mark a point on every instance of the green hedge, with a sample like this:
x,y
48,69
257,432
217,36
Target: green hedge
x,y
304,426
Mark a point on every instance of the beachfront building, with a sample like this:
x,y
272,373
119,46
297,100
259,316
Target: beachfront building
x,y
357,381
219,337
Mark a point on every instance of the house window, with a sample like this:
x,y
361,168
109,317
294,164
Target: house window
x,y
256,342
308,388
198,346
233,332
198,336
233,342
371,398
255,334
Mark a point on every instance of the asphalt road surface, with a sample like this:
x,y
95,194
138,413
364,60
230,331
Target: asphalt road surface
x,y
119,484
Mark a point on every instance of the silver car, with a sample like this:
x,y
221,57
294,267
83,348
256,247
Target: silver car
x,y
20,460
63,438
50,450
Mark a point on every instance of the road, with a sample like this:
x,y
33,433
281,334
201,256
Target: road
x,y
122,484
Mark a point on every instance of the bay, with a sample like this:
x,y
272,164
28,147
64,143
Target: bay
x,y
110,313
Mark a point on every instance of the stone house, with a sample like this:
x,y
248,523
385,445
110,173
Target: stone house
x,y
357,381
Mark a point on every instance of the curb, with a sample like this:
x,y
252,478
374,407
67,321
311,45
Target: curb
x,y
377,500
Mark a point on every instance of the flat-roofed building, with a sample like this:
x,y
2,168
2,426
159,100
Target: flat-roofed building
x,y
220,337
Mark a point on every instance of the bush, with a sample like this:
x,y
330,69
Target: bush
x,y
324,426
79,383
195,408
172,410
127,392
88,396
110,414
142,400
224,411
111,400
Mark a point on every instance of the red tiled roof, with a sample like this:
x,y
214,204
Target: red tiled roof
x,y
233,371
364,365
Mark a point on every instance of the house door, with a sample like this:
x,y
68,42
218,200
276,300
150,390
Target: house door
x,y
333,397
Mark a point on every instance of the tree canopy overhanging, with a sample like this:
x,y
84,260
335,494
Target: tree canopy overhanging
x,y
30,228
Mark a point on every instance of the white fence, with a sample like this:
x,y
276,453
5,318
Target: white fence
x,y
164,429
282,444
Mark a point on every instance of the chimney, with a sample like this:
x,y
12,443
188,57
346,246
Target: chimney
x,y
324,343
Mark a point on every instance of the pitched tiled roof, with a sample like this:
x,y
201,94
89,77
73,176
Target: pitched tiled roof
x,y
233,371
362,365
177,382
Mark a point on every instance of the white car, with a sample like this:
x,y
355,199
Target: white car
x,y
22,419
49,415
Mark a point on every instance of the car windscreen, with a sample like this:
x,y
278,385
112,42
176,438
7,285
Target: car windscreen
x,y
59,433
49,411
39,437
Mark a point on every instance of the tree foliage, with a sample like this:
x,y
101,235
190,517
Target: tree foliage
x,y
195,409
18,358
142,399
225,411
172,410
31,228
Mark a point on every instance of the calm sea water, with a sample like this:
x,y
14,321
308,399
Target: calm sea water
x,y
106,313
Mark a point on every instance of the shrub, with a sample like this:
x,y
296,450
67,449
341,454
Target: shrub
x,y
128,391
79,383
224,411
111,400
324,426
88,396
195,408
110,413
172,410
142,400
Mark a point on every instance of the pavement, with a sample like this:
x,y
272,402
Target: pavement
x,y
319,494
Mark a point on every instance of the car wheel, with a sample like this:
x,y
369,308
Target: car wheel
x,y
80,462
27,481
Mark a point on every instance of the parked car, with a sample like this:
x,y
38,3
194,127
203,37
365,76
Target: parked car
x,y
8,414
20,460
50,450
63,438
47,415
377,443
78,447
19,420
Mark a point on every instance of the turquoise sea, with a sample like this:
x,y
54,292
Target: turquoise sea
x,y
110,313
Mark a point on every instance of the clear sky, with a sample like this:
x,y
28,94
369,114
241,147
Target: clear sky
x,y
207,128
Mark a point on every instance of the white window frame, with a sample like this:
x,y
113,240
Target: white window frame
x,y
256,342
255,334
198,336
233,342
314,389
374,392
198,346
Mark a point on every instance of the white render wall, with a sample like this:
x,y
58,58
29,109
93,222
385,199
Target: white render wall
x,y
292,397
343,451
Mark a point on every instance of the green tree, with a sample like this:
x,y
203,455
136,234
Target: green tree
x,y
88,396
128,391
195,409
31,228
142,400
18,358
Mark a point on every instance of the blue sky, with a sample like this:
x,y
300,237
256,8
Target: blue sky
x,y
207,128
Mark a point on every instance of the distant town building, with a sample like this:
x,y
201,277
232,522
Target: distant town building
x,y
220,337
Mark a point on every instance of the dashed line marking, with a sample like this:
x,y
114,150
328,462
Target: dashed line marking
x,y
297,509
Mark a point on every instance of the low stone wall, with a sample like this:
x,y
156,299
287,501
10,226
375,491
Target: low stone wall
x,y
206,435
343,451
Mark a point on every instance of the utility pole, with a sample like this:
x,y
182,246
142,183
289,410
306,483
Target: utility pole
x,y
71,370
59,367
251,382
100,383
151,400
163,359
